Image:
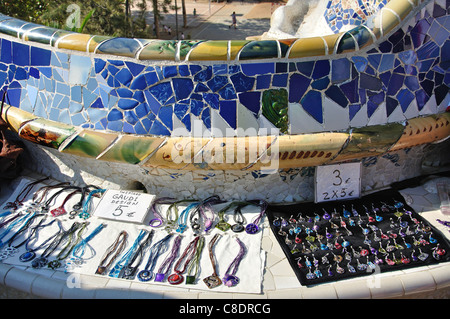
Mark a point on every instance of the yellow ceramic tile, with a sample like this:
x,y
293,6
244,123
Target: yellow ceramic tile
x,y
89,143
388,21
16,117
424,130
401,7
307,47
210,50
306,150
331,41
46,132
235,47
76,42
131,149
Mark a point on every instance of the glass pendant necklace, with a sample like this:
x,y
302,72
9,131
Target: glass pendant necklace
x,y
155,251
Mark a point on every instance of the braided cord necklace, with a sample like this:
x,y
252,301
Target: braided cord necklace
x,y
157,250
194,265
167,263
158,220
117,247
123,261
230,279
186,257
213,280
253,228
67,249
129,271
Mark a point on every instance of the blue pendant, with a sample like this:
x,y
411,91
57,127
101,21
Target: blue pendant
x,y
346,213
145,275
251,229
29,255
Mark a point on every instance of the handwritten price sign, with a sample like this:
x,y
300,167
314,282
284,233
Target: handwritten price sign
x,y
124,205
338,182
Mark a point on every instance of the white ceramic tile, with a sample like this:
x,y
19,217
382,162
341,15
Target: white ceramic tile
x,y
418,281
352,289
20,279
335,117
441,276
385,286
47,288
219,127
444,104
379,116
430,107
397,115
360,118
300,121
246,122
412,110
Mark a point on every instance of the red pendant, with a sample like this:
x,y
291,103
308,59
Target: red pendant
x,y
175,279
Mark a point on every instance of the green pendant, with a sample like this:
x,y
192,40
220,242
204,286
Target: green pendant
x,y
223,226
190,280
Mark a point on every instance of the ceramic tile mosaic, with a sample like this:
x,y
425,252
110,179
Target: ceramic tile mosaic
x,y
244,84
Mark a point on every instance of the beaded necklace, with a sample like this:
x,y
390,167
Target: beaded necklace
x,y
157,250
230,279
167,263
117,247
213,280
186,258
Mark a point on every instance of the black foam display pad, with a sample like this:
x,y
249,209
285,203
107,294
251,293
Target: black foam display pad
x,y
403,234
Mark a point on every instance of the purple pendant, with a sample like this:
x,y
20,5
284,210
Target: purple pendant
x,y
160,277
251,229
230,280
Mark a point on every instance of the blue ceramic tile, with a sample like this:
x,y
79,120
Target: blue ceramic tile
x,y
159,129
98,104
228,112
374,60
353,109
395,83
122,92
180,110
259,50
263,81
427,86
170,71
182,87
119,46
242,82
251,69
127,104
280,80
40,56
139,82
281,67
165,115
386,63
13,97
21,54
135,68
161,91
212,99
220,69
234,68
428,50
124,76
200,87
204,75
305,68
405,97
421,98
321,69
371,108
350,90
320,84
206,117
75,93
196,107
312,103
335,94
217,82
251,100
6,52
369,82
298,84
184,70
114,115
142,110
34,73
340,70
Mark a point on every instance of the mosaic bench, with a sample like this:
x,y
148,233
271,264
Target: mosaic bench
x,y
184,117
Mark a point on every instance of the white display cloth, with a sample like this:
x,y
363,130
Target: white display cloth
x,y
250,271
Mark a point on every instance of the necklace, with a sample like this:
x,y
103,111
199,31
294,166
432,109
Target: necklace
x,y
157,250
186,257
222,223
191,276
56,263
86,207
123,261
23,194
167,263
158,220
238,217
11,250
20,222
198,215
213,280
80,248
182,220
42,261
117,247
129,271
253,227
230,279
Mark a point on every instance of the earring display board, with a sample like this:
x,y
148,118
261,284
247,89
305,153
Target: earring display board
x,y
377,233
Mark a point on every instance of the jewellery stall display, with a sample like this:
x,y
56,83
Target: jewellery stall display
x,y
332,241
50,225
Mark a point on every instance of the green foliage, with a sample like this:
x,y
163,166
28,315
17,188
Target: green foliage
x,y
28,10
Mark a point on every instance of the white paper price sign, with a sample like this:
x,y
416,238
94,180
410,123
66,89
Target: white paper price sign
x,y
337,182
124,205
